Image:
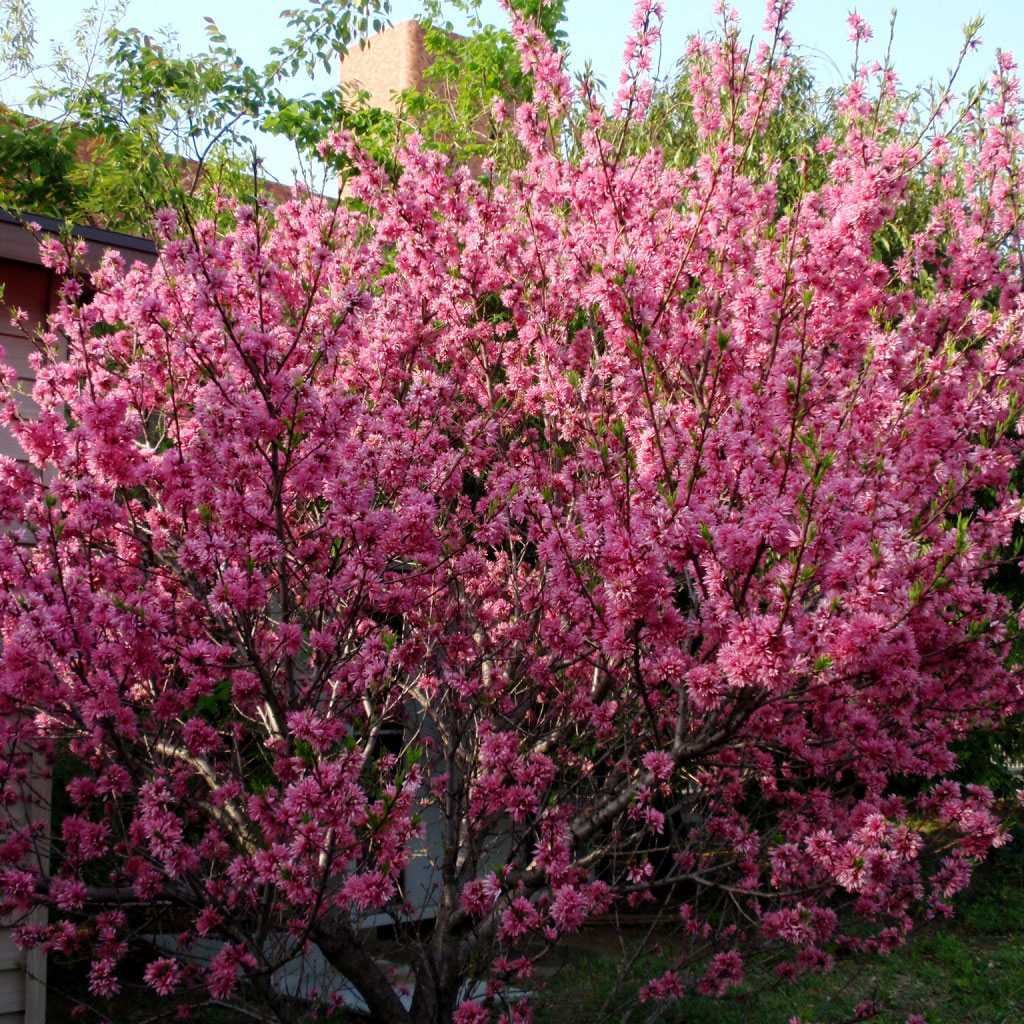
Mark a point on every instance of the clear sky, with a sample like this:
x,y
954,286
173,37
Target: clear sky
x,y
928,33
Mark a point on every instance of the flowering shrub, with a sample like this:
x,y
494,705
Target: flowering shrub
x,y
618,531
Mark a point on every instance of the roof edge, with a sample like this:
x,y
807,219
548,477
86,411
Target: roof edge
x,y
100,236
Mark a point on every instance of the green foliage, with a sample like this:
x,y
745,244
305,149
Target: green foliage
x,y
17,36
784,151
466,75
37,166
321,33
138,125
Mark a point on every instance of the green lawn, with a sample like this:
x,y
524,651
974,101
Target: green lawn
x,y
968,971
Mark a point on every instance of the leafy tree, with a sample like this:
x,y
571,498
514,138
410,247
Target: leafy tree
x,y
38,164
136,110
469,74
140,126
17,36
617,530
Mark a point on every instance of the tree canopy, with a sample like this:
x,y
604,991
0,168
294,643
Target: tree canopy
x,y
621,526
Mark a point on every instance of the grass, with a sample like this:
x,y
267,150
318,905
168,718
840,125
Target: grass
x,y
966,971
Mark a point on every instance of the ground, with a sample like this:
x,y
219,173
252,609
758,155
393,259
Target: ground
x,y
966,971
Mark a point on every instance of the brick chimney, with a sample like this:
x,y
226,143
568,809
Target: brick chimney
x,y
390,61
397,59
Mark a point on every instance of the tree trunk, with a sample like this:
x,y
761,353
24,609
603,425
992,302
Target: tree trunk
x,y
437,987
346,954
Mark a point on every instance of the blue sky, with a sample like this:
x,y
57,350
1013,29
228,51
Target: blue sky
x,y
928,33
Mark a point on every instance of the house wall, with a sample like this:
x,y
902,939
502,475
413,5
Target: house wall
x,y
12,981
28,287
23,974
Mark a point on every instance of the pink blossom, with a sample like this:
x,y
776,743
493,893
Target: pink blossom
x,y
163,975
724,972
667,986
470,539
860,30
229,962
471,1013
